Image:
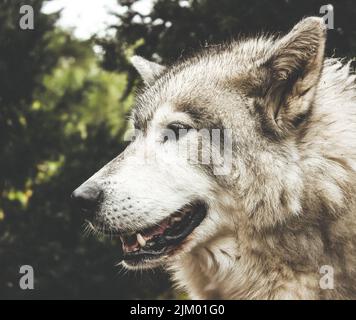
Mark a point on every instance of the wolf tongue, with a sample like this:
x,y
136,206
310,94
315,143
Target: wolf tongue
x,y
130,243
137,241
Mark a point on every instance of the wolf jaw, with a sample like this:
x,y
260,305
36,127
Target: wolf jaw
x,y
162,239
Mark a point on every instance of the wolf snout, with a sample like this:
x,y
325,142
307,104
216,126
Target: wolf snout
x,y
87,196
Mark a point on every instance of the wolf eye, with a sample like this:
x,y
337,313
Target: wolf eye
x,y
179,129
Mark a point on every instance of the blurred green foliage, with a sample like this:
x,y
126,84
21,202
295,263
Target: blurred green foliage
x,y
61,119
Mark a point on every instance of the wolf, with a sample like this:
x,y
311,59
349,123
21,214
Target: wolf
x,y
281,223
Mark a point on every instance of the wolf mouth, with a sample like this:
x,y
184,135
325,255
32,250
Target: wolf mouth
x,y
163,238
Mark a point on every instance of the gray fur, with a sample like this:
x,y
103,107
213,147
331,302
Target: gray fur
x,y
288,206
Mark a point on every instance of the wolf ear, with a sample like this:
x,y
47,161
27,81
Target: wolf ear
x,y
149,71
291,71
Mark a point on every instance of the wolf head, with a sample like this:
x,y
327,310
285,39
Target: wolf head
x,y
255,95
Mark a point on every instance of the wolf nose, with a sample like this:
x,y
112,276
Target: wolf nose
x,y
87,196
